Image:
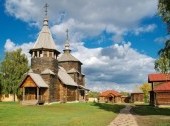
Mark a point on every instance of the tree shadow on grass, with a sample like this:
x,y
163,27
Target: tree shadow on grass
x,y
109,107
150,110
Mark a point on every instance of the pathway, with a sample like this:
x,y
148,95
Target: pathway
x,y
124,118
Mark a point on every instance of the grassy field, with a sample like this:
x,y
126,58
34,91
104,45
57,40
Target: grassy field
x,y
151,116
70,114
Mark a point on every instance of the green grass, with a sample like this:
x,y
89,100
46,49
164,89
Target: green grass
x,y
70,114
151,116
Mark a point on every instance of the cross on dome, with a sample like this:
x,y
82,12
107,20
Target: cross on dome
x,y
67,45
46,9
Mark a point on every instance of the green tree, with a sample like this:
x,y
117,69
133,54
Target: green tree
x,y
162,64
146,87
164,12
14,65
0,83
93,94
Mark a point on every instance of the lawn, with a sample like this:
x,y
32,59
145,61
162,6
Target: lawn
x,y
70,114
151,116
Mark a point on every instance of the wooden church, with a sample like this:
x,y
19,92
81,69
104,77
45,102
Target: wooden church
x,y
52,79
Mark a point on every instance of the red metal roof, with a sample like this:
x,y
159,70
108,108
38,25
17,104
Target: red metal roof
x,y
158,77
108,93
163,87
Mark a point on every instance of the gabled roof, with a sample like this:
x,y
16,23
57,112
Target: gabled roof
x,y
108,93
158,77
45,39
163,87
48,71
67,57
37,79
66,78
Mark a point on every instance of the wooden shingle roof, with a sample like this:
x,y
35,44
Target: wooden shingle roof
x,y
108,93
45,39
37,79
158,77
67,57
65,77
163,87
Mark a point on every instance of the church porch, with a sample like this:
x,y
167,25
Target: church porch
x,y
34,95
34,90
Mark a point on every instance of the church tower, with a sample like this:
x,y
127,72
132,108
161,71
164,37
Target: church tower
x,y
44,59
68,61
71,64
44,53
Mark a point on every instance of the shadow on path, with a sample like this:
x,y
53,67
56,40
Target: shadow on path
x,y
109,107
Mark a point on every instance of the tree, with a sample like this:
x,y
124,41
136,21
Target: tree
x,y
14,65
93,94
146,87
164,12
162,64
0,83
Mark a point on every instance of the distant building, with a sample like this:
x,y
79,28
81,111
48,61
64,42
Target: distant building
x,y
160,93
137,95
52,79
7,97
125,99
110,96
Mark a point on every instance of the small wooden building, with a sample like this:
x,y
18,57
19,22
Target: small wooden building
x,y
160,93
110,96
137,95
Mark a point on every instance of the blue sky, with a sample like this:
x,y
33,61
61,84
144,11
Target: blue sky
x,y
117,41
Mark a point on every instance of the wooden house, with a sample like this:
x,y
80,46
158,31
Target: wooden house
x,y
52,78
160,93
137,95
111,96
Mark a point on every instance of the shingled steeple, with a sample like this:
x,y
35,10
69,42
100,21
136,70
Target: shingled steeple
x,y
44,49
67,58
44,45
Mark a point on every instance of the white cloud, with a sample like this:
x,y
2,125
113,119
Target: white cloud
x,y
116,66
144,29
11,46
162,39
89,18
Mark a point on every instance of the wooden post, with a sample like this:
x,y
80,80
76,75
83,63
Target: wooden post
x,y
48,54
33,54
23,94
38,54
37,93
53,55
